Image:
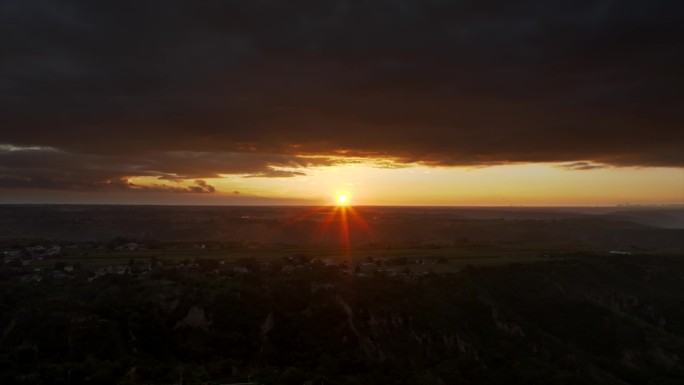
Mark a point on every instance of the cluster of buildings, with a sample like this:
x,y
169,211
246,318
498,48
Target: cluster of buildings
x,y
18,260
29,253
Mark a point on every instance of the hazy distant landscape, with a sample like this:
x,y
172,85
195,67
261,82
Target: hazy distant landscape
x,y
619,226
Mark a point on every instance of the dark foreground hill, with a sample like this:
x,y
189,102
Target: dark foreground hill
x,y
583,320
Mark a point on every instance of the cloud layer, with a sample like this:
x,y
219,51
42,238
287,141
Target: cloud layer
x,y
102,91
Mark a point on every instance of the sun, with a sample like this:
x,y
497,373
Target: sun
x,y
342,200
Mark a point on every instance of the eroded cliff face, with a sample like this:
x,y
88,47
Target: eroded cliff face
x,y
604,321
196,318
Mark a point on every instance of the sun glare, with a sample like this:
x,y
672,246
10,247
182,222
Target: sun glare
x,y
342,200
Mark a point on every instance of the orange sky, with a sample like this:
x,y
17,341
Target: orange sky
x,y
525,184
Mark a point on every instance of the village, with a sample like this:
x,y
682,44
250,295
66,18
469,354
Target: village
x,y
53,261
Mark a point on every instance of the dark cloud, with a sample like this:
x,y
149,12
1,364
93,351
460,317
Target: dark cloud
x,y
50,168
199,187
582,166
187,90
273,173
203,186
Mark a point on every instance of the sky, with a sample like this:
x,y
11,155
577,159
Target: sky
x,y
390,102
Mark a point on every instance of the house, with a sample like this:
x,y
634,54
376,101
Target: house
x,y
36,251
31,278
99,273
53,250
12,254
616,252
58,275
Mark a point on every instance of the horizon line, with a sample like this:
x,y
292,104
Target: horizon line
x,y
618,205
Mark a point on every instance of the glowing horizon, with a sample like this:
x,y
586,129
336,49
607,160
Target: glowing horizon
x,y
524,185
417,185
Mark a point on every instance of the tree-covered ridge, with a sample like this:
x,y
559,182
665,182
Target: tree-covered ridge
x,y
589,319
